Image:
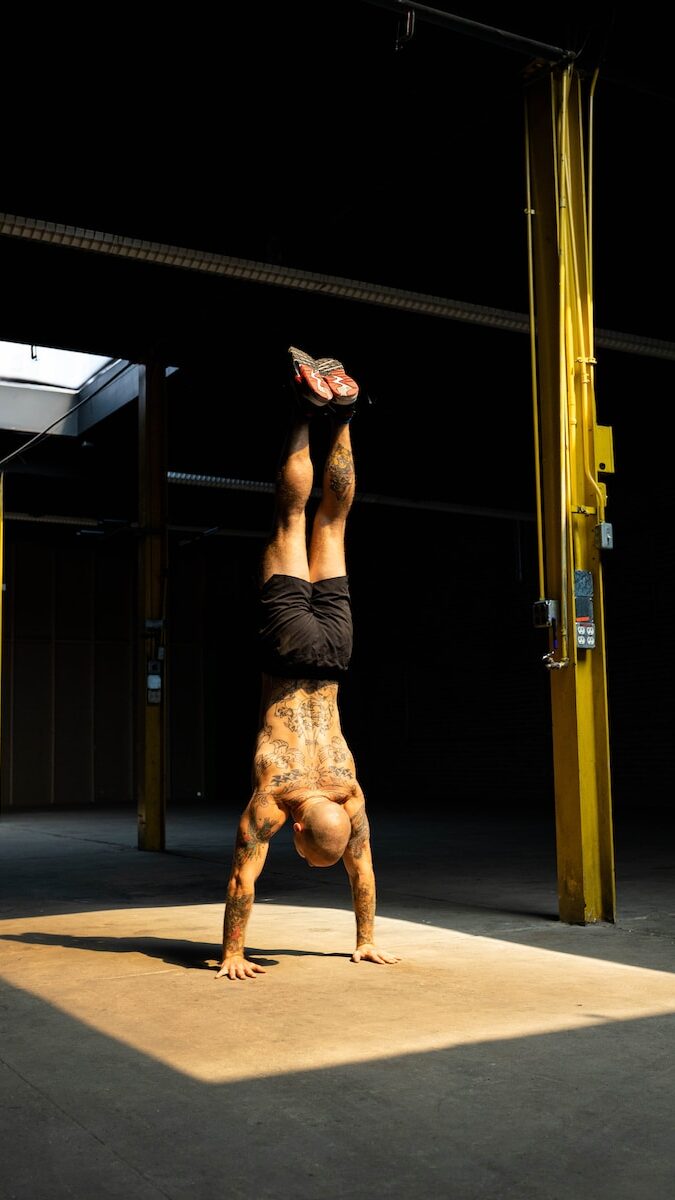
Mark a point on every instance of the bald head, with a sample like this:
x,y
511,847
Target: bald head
x,y
322,835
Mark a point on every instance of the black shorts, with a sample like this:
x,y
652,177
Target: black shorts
x,y
305,629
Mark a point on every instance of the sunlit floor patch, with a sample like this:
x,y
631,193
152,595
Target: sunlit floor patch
x,y
146,977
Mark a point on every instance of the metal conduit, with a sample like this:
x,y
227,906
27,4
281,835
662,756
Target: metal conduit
x,y
250,485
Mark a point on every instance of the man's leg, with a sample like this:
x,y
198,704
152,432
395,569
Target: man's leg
x,y
286,552
327,547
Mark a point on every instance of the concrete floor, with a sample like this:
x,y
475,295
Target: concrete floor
x,y
505,1056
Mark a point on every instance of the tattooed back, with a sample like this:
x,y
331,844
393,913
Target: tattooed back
x,y
301,749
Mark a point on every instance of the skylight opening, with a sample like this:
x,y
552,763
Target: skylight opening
x,y
45,367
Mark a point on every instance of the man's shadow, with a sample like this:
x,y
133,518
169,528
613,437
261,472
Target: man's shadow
x,y
193,956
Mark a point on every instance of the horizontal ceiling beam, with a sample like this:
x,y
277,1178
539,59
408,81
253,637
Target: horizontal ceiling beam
x,y
204,261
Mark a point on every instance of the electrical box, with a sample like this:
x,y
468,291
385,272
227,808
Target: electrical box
x,y
604,536
545,613
584,620
154,681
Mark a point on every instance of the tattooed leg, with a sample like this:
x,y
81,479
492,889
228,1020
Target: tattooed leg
x,y
327,550
339,479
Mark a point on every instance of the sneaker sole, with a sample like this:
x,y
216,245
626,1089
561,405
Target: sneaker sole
x,y
344,389
308,378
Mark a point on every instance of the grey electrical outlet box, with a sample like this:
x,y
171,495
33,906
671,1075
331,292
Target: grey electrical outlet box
x,y
604,536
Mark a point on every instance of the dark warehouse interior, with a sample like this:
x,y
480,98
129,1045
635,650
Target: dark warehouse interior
x,y
406,170
186,193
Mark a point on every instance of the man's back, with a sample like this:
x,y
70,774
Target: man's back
x,y
301,750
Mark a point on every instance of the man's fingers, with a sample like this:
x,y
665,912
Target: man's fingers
x,y
375,956
240,970
247,970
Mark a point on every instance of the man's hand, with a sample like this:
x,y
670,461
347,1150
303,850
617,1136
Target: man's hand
x,y
370,953
235,966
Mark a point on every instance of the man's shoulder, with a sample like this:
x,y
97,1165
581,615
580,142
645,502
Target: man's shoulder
x,y
265,807
355,803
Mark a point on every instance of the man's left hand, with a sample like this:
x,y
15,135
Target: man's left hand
x,y
370,953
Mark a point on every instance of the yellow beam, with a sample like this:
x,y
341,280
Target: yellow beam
x,y
573,449
151,610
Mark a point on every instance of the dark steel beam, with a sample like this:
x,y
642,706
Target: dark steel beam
x,y
484,33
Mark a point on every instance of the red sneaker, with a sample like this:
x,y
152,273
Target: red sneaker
x,y
308,380
344,389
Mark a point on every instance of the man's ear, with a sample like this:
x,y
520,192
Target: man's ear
x,y
297,827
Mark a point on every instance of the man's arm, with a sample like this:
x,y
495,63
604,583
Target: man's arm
x,y
358,861
259,821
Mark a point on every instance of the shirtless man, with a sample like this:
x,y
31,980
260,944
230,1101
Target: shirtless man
x,y
303,769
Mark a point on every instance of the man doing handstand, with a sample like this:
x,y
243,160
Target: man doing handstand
x,y
303,768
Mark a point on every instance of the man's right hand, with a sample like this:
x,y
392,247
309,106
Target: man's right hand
x,y
235,966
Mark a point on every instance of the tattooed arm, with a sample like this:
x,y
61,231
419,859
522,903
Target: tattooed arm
x,y
358,863
259,821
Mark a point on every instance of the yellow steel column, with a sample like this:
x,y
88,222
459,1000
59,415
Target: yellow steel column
x,y
572,452
151,609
